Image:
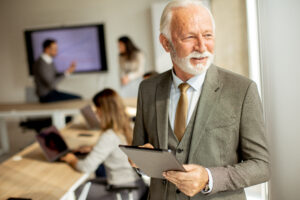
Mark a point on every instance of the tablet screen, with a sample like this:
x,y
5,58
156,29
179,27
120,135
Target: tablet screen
x,y
152,162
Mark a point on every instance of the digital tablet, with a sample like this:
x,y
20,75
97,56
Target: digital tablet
x,y
152,162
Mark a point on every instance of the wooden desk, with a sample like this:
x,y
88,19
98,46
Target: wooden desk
x,y
34,177
57,111
130,102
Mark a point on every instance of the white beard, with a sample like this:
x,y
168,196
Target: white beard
x,y
185,65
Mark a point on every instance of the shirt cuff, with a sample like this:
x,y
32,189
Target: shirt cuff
x,y
67,74
210,182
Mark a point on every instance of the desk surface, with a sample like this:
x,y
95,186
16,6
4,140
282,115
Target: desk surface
x,y
34,177
65,105
72,104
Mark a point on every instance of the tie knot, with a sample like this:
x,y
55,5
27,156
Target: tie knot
x,y
183,87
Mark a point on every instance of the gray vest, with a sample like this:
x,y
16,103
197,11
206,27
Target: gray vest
x,y
181,150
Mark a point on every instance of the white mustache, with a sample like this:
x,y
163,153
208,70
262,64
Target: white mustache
x,y
196,54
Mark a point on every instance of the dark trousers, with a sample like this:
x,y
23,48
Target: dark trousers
x,y
55,95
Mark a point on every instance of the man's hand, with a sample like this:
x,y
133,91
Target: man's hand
x,y
148,145
190,182
72,68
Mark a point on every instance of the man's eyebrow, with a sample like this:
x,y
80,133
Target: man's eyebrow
x,y
189,33
208,31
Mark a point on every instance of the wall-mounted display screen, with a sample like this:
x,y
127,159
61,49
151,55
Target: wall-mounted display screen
x,y
83,45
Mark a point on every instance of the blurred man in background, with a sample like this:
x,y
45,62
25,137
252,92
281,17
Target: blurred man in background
x,y
46,77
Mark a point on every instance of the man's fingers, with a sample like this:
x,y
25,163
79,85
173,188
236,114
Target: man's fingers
x,y
148,145
182,176
191,167
172,179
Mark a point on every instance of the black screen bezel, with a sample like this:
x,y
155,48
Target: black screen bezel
x,y
101,38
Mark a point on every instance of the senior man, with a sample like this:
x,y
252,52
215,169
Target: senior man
x,y
210,117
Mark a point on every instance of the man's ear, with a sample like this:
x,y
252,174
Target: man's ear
x,y
46,51
164,42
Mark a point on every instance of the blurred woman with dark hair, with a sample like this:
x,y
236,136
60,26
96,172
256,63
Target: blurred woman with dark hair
x,y
116,127
131,60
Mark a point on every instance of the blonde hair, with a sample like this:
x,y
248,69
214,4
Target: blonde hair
x,y
165,20
113,114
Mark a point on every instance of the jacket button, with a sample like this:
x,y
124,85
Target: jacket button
x,y
179,150
164,182
177,191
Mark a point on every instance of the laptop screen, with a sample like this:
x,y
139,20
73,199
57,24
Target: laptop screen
x,y
90,117
52,143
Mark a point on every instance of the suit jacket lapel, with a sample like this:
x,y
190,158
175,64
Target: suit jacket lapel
x,y
209,94
162,104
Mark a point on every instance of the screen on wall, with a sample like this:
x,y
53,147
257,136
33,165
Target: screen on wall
x,y
83,45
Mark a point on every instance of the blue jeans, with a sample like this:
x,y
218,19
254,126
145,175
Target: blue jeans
x,y
55,95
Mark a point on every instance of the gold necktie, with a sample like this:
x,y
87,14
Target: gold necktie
x,y
181,111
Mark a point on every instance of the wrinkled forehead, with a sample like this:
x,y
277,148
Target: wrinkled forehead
x,y
191,18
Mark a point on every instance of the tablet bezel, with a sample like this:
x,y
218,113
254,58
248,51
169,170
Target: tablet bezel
x,y
156,172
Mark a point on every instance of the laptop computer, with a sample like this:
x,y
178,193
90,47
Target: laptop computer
x,y
52,143
90,117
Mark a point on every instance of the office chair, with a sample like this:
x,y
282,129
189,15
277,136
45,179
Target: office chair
x,y
119,189
85,191
120,192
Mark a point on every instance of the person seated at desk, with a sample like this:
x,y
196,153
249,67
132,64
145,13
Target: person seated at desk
x,y
116,127
46,76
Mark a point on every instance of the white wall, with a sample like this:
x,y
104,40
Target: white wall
x,y
280,44
231,48
131,17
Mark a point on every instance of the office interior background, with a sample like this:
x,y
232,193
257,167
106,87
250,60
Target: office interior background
x,y
273,63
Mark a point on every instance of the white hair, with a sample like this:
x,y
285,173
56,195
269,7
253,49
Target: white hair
x,y
165,20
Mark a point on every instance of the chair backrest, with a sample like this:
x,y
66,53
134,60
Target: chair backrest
x,y
119,189
85,191
30,95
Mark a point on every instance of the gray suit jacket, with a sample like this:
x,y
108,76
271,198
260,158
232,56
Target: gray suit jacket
x,y
45,77
228,137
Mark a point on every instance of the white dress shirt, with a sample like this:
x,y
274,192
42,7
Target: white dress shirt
x,y
193,94
48,59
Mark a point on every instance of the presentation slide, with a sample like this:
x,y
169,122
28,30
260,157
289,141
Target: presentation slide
x,y
78,45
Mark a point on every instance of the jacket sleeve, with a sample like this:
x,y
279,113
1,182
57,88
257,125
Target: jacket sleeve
x,y
48,78
254,167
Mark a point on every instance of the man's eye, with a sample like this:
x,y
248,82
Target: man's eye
x,y
189,37
208,35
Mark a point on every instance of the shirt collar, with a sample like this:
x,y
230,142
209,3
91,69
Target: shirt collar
x,y
48,59
195,82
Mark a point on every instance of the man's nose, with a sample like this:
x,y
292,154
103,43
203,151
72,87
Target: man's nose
x,y
200,45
